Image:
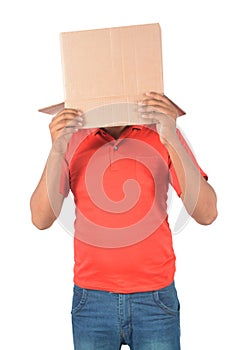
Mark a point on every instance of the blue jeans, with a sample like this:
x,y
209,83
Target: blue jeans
x,y
145,321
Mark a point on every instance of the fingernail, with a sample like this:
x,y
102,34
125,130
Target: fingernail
x,y
80,123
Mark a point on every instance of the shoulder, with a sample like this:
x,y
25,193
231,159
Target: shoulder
x,y
77,139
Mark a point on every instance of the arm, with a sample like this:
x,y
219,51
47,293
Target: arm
x,y
46,201
197,195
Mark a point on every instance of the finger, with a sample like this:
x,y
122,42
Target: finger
x,y
69,111
165,99
161,101
155,95
65,133
159,97
69,130
151,101
164,107
65,119
75,123
158,108
66,114
161,117
156,117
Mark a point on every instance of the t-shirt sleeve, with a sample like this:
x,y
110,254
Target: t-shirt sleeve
x,y
173,176
65,179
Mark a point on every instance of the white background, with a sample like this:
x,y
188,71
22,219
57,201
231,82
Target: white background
x,y
205,72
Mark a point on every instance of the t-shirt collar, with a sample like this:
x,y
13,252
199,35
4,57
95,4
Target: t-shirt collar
x,y
96,131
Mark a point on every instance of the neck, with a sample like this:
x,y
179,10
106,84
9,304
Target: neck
x,y
115,131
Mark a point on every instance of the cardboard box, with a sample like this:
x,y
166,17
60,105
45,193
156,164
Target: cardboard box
x,y
107,71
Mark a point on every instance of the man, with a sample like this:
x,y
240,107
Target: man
x,y
124,290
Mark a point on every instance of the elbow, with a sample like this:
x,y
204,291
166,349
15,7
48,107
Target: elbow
x,y
207,212
41,218
39,224
207,217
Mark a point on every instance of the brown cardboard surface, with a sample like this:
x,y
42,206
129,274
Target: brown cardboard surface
x,y
52,109
107,71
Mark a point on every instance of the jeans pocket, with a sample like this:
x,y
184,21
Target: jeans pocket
x,y
166,298
79,298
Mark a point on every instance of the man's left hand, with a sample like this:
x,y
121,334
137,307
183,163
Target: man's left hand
x,y
158,107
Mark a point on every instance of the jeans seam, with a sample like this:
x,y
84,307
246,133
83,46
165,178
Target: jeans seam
x,y
162,305
131,323
81,302
119,318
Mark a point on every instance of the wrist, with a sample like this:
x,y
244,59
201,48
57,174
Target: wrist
x,y
169,139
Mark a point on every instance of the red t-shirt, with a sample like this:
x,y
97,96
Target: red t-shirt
x,y
122,240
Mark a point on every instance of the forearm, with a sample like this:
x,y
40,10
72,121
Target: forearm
x,y
46,201
198,196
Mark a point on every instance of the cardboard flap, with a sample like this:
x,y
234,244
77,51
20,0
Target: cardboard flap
x,y
179,110
52,109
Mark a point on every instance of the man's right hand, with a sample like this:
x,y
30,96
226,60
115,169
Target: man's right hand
x,y
66,121
63,125
46,201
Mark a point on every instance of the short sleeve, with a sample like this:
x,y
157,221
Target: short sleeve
x,y
173,177
73,144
